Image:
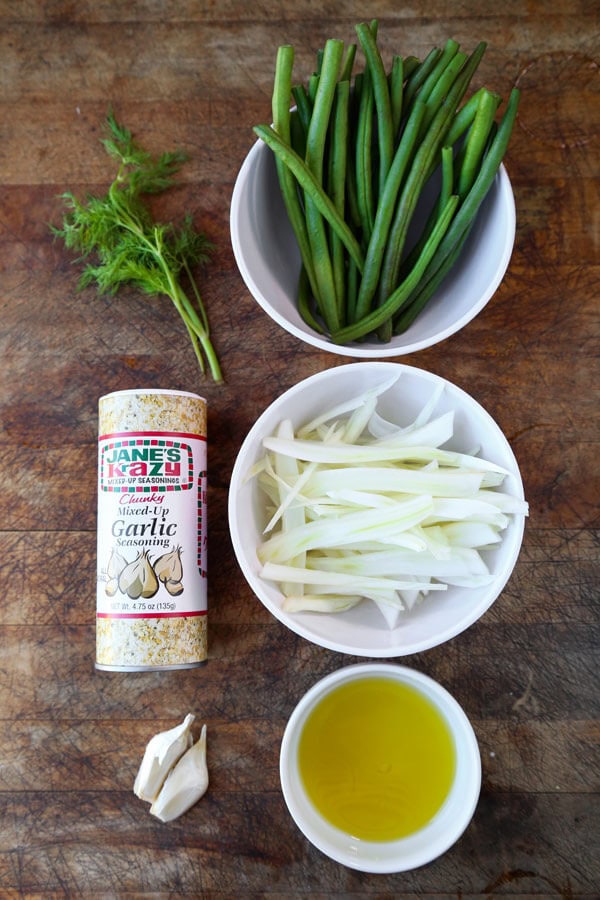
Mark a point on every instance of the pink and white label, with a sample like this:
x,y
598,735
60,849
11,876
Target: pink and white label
x,y
152,541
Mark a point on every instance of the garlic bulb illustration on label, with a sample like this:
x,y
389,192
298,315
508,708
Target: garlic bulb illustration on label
x,y
152,593
137,578
169,570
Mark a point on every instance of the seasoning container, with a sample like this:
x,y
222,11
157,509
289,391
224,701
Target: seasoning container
x,y
151,610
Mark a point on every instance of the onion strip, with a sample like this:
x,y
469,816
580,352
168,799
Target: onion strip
x,y
364,509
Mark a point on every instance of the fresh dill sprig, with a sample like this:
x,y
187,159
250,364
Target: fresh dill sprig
x,y
125,244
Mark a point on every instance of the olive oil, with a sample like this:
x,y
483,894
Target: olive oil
x,y
376,758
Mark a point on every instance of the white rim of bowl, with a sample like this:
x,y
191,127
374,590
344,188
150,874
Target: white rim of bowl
x,y
355,349
297,627
410,850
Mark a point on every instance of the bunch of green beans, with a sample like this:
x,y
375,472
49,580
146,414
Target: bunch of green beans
x,y
353,157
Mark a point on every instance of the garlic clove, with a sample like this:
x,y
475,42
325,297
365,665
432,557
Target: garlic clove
x,y
161,754
130,581
111,587
148,576
137,579
185,785
168,567
150,581
175,588
116,564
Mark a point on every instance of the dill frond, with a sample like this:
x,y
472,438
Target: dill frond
x,y
126,245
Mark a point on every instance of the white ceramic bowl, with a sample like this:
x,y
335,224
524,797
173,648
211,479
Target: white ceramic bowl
x,y
267,256
419,848
362,630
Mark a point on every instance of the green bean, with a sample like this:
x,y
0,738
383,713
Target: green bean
x,y
305,295
437,97
470,205
385,135
352,163
487,173
451,140
377,317
491,137
303,104
438,94
385,331
338,150
447,177
337,186
346,73
454,72
424,292
351,291
363,165
319,122
464,116
353,212
309,185
419,74
396,88
448,53
297,133
281,125
320,55
317,236
476,142
419,172
280,102
446,190
410,64
351,198
385,209
330,64
300,119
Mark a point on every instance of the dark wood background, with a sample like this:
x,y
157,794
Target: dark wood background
x,y
198,76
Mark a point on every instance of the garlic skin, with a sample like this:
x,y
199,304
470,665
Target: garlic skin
x,y
185,785
137,579
161,754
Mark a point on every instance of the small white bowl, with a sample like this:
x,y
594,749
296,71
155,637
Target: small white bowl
x,y
268,259
419,848
362,630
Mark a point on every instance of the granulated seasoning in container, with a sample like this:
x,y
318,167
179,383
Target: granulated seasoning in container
x,y
151,584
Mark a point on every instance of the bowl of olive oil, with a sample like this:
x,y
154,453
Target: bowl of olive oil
x,y
380,767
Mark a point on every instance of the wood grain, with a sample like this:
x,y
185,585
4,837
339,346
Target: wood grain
x,y
197,75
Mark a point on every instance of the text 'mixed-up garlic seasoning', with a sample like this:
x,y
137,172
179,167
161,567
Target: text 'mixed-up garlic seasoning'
x,y
151,584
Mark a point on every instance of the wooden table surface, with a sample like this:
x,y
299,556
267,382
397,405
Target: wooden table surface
x,y
198,76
